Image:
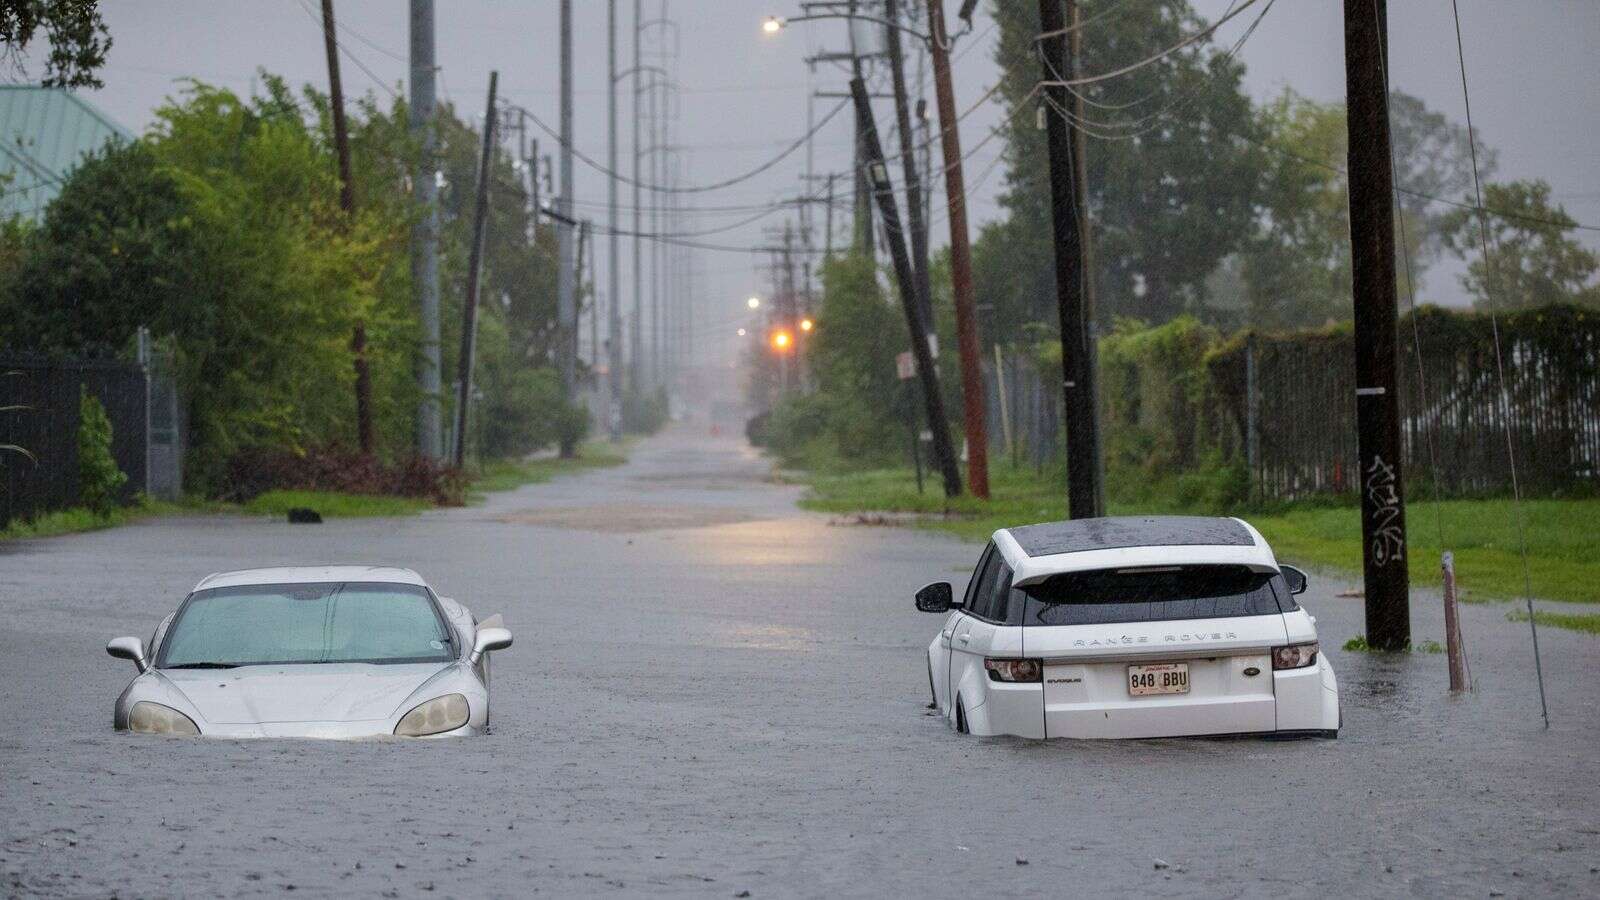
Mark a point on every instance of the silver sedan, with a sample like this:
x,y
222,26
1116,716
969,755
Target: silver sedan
x,y
312,652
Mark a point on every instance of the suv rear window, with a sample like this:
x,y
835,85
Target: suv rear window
x,y
1154,595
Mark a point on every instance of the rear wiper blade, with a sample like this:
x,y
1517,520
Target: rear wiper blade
x,y
204,665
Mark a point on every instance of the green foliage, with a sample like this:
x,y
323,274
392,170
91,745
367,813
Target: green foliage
x,y
335,505
1167,203
1359,644
221,231
99,480
644,412
77,34
1531,260
1583,623
857,413
1160,409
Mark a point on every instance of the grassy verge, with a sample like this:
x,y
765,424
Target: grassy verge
x,y
1563,544
505,475
1582,622
331,504
76,519
498,476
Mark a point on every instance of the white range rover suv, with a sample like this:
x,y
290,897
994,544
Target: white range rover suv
x,y
1131,627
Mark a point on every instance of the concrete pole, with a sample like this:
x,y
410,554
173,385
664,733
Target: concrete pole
x,y
425,233
636,355
614,294
566,288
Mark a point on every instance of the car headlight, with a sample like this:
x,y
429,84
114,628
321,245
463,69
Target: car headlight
x,y
1019,670
438,715
1294,656
153,718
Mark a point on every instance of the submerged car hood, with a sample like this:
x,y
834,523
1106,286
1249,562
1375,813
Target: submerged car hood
x,y
325,692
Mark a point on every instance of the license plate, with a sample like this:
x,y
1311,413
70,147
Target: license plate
x,y
1164,678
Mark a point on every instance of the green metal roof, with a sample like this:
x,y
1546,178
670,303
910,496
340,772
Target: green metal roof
x,y
44,132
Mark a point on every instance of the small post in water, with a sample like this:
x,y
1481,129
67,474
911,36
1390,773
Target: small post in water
x,y
1452,628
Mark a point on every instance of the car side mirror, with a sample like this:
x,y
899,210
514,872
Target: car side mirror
x,y
936,597
489,639
129,648
1296,578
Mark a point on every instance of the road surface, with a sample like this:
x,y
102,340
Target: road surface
x,y
713,692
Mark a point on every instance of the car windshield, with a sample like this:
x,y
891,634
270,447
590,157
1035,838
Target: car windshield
x,y
1154,594
306,623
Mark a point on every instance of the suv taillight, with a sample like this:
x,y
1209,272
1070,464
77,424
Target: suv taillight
x,y
1294,656
1014,670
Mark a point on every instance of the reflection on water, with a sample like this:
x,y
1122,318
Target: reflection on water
x,y
762,637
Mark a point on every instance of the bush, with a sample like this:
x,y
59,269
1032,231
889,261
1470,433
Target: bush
x,y
252,473
644,412
99,480
523,412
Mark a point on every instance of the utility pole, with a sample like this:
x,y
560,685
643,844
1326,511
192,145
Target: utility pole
x,y
347,203
863,239
1383,512
614,276
469,308
908,160
567,276
425,233
636,356
1080,189
1077,366
955,188
932,399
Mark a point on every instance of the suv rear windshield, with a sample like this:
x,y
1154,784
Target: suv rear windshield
x,y
1154,595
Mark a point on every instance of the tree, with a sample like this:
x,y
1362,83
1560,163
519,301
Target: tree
x,y
1296,268
1432,158
1531,261
1172,170
77,34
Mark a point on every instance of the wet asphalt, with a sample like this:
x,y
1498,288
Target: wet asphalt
x,y
713,692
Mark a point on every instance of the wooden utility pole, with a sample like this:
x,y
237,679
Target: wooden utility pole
x,y
878,176
1077,363
469,308
347,203
908,160
955,188
1383,512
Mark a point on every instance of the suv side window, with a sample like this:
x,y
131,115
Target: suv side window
x,y
990,603
984,570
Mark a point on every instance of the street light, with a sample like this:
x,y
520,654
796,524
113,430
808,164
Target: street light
x,y
742,332
753,303
807,324
781,341
775,24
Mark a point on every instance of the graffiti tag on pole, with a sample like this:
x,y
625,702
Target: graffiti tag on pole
x,y
1388,541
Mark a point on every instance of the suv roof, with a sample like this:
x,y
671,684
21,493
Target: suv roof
x,y
1078,535
1036,552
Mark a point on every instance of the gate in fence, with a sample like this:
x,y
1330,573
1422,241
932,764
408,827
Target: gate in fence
x,y
41,399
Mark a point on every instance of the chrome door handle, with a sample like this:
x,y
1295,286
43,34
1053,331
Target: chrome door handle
x,y
965,638
946,634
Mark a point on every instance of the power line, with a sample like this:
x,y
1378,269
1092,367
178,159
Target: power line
x,y
693,189
1500,369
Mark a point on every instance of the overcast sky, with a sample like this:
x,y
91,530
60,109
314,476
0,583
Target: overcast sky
x,y
1532,65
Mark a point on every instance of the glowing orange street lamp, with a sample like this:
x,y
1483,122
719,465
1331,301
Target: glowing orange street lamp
x,y
781,341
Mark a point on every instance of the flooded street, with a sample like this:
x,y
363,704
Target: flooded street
x,y
714,692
